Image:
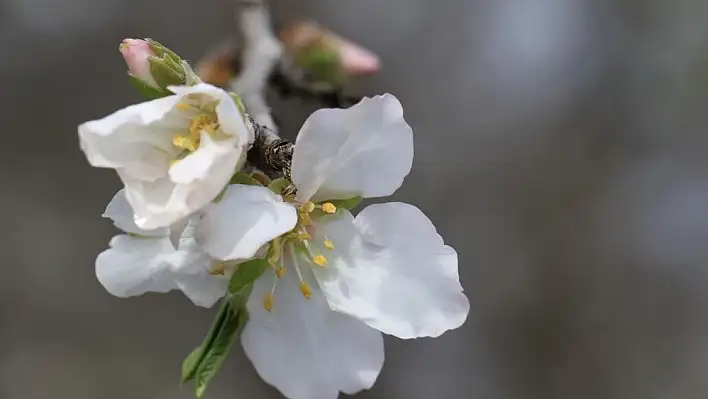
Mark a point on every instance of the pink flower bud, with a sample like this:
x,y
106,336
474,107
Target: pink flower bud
x,y
136,53
356,60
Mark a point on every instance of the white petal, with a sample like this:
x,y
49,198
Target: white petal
x,y
392,270
120,211
191,267
213,162
136,139
133,266
192,184
365,150
243,220
157,203
306,350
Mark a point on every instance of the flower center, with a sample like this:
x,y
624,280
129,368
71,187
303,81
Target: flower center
x,y
298,244
204,120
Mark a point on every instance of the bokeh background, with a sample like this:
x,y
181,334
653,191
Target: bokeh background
x,y
561,147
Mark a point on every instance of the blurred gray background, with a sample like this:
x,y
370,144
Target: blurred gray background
x,y
561,147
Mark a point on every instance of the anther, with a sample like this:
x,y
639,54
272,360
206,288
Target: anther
x,y
306,290
320,260
328,244
308,207
218,269
329,207
268,302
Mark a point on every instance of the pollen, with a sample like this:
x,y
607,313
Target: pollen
x,y
182,106
185,142
218,269
268,302
320,260
306,290
329,244
304,236
280,271
329,207
202,122
308,207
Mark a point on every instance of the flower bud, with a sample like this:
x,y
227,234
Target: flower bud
x,y
325,55
153,67
136,53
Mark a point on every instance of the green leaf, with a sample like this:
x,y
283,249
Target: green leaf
x,y
194,359
146,90
278,185
246,273
214,357
242,178
348,203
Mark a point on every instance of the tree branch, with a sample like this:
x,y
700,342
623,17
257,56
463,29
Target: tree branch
x,y
261,52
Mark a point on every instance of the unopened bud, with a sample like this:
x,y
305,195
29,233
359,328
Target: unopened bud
x,y
325,55
153,67
136,53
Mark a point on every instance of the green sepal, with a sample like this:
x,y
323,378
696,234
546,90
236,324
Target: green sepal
x,y
163,74
246,273
239,104
146,90
323,63
278,185
243,178
161,50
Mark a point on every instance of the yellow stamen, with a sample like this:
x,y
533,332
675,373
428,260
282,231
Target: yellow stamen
x,y
306,290
305,219
320,260
218,269
185,142
182,106
328,244
275,251
329,207
308,207
304,236
280,271
268,302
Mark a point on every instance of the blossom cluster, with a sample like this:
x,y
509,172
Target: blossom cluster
x,y
318,282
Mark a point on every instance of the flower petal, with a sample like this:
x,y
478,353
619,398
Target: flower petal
x,y
365,150
136,139
133,266
245,218
157,203
120,211
306,350
213,162
191,267
392,270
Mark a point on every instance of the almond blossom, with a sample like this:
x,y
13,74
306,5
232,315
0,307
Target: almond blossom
x,y
174,154
338,281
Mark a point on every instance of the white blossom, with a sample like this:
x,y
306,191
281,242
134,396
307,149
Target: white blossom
x,y
316,319
174,154
151,261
